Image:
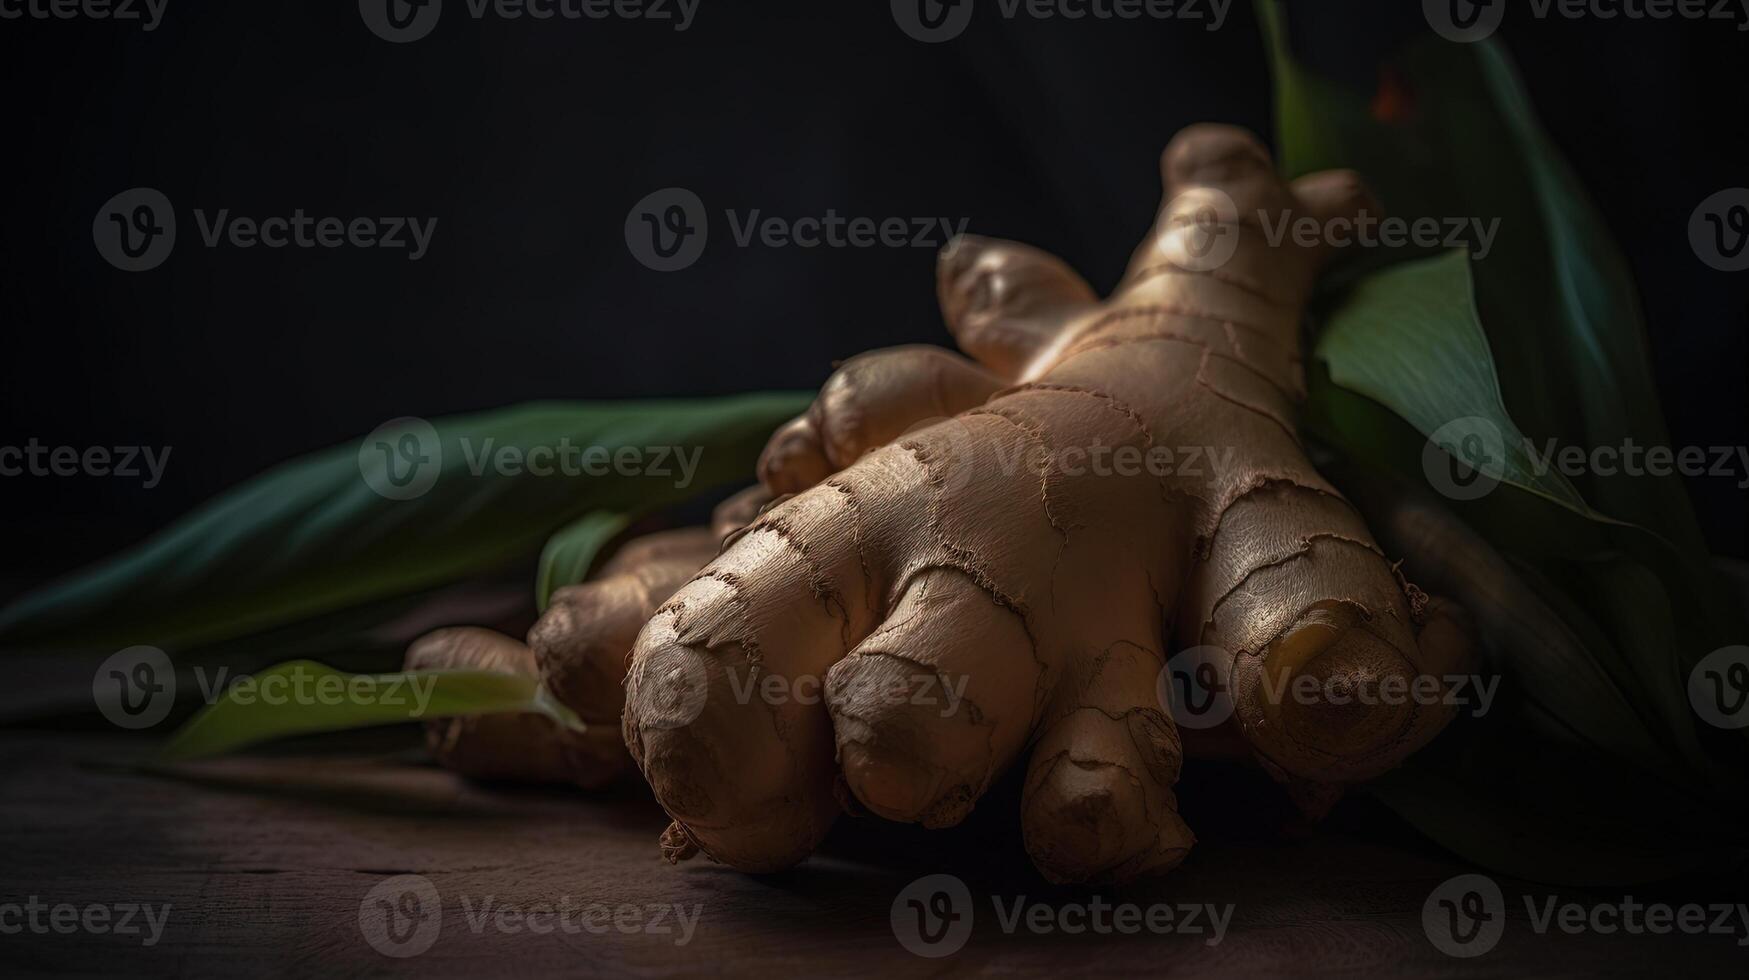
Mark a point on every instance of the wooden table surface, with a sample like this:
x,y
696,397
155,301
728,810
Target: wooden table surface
x,y
266,862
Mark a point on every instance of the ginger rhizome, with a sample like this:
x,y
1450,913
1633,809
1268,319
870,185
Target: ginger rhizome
x,y
964,593
913,553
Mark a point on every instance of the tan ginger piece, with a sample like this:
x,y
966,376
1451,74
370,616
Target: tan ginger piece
x,y
579,649
944,598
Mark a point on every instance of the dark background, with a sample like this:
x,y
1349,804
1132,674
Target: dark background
x,y
530,141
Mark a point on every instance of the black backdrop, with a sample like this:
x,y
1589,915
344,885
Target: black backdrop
x,y
530,140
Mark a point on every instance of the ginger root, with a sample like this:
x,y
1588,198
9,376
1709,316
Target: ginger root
x,y
950,583
579,649
917,555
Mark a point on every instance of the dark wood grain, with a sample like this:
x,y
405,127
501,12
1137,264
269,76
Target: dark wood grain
x,y
265,862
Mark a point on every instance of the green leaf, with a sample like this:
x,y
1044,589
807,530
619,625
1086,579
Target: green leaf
x,y
303,697
1546,325
569,554
1408,338
317,534
1555,297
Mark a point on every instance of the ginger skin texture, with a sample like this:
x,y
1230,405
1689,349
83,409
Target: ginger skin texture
x,y
1053,594
948,585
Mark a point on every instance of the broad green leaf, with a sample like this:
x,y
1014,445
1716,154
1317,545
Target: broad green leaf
x,y
1551,347
318,534
1407,337
303,697
1555,297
